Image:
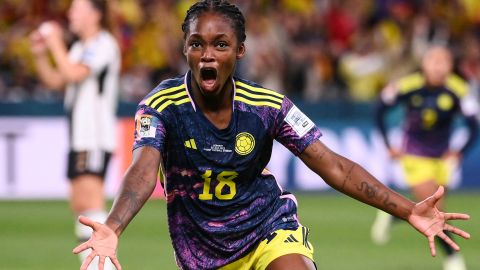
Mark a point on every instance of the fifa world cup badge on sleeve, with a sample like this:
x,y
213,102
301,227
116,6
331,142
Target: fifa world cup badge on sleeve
x,y
299,122
146,126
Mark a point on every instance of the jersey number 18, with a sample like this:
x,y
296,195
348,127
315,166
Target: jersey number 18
x,y
224,178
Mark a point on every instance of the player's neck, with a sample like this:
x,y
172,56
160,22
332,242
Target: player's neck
x,y
216,108
214,102
89,33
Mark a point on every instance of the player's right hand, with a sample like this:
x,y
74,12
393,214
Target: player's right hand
x,y
103,243
37,43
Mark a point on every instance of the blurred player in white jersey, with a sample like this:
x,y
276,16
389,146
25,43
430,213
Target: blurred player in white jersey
x,y
89,72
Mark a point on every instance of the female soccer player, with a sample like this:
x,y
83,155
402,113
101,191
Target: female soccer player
x,y
432,99
212,134
90,72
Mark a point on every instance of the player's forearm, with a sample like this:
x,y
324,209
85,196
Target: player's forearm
x,y
70,72
47,74
354,181
472,125
380,111
135,191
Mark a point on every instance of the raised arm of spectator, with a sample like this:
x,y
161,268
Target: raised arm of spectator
x,y
46,72
71,72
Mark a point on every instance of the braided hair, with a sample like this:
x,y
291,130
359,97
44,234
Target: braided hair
x,y
223,7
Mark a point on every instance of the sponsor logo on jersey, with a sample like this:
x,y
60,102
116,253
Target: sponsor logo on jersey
x,y
244,143
290,239
191,144
299,122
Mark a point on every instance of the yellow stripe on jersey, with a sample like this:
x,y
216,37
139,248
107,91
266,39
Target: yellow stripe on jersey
x,y
457,85
258,103
259,89
192,142
162,98
249,94
410,83
163,92
169,102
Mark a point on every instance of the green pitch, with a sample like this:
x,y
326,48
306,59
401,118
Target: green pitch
x,y
38,235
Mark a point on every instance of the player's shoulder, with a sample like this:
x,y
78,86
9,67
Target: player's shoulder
x,y
253,94
106,36
105,42
410,83
172,91
457,85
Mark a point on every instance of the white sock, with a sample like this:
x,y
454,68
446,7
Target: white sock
x,y
83,233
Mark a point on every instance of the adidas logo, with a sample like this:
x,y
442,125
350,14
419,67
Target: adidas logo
x,y
290,239
191,144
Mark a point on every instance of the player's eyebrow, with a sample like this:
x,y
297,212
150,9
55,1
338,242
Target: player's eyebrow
x,y
199,36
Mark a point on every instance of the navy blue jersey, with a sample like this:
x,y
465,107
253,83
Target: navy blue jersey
x,y
221,200
430,112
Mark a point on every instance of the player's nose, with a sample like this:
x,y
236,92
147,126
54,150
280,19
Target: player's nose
x,y
208,54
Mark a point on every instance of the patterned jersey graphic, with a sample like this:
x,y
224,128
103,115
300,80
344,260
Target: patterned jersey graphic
x,y
221,201
430,112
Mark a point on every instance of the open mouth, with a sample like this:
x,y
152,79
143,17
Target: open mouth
x,y
208,74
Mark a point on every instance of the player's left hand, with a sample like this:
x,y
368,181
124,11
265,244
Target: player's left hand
x,y
428,220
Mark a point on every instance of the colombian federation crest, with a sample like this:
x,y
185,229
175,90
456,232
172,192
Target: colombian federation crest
x,y
244,143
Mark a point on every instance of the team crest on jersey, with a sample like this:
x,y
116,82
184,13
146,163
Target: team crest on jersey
x,y
146,126
445,102
244,143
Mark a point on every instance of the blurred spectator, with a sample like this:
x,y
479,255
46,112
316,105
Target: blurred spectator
x,y
317,49
265,57
469,65
364,67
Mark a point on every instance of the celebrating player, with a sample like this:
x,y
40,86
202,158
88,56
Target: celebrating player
x,y
432,100
90,70
212,134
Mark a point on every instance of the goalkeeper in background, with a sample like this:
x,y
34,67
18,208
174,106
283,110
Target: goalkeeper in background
x,y
432,99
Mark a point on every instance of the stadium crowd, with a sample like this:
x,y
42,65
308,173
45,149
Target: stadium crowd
x,y
313,49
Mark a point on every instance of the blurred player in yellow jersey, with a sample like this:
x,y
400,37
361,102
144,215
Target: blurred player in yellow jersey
x,y
432,99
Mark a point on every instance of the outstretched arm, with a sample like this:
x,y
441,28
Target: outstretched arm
x,y
138,184
351,179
